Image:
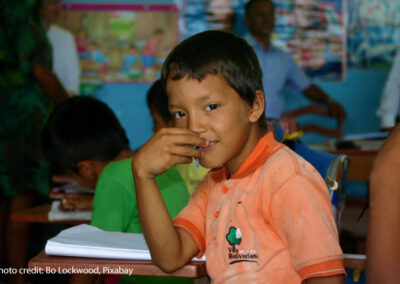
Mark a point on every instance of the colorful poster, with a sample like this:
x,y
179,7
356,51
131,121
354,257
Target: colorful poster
x,y
197,16
312,31
121,42
373,32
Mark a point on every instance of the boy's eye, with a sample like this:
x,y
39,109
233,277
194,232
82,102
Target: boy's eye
x,y
179,114
211,107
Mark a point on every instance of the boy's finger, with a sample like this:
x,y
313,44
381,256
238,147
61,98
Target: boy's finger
x,y
183,136
188,140
186,151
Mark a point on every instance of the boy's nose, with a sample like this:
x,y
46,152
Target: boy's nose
x,y
197,125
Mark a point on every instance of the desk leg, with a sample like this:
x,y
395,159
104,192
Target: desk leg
x,y
201,280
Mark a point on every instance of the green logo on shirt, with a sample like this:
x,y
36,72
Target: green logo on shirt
x,y
234,237
236,255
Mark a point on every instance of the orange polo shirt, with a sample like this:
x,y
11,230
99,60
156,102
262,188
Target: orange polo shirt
x,y
271,222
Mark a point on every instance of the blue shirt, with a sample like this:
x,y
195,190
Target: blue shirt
x,y
279,70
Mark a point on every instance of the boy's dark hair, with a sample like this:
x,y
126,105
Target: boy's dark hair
x,y
157,98
217,53
82,128
249,4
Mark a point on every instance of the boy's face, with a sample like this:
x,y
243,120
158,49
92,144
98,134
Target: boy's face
x,y
214,110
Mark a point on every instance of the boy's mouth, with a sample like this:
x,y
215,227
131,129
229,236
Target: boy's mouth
x,y
210,145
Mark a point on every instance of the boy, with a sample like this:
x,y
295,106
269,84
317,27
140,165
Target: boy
x,y
84,137
157,101
263,214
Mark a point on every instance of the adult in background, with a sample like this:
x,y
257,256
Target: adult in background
x,y
260,19
65,54
28,89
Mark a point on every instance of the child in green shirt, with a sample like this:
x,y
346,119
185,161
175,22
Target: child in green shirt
x,y
84,137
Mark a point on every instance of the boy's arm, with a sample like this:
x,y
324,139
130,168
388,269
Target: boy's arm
x,y
303,217
336,279
170,248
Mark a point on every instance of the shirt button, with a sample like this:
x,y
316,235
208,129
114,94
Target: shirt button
x,y
216,214
224,189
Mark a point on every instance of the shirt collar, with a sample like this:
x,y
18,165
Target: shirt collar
x,y
255,44
265,147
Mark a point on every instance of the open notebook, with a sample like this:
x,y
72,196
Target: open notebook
x,y
89,241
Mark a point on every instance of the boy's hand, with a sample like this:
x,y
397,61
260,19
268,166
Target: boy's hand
x,y
167,148
76,202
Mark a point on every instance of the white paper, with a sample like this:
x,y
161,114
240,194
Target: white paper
x,y
88,241
56,214
373,135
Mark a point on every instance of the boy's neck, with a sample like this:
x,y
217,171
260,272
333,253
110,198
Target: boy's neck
x,y
255,135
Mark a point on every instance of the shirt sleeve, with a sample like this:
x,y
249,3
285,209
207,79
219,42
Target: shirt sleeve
x,y
296,79
303,218
390,99
108,195
192,218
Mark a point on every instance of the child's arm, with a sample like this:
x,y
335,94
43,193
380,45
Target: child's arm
x,y
336,279
171,248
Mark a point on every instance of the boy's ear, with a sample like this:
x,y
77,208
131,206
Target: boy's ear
x,y
258,107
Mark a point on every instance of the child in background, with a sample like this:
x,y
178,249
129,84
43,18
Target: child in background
x,y
96,55
130,63
157,101
263,214
84,137
151,48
